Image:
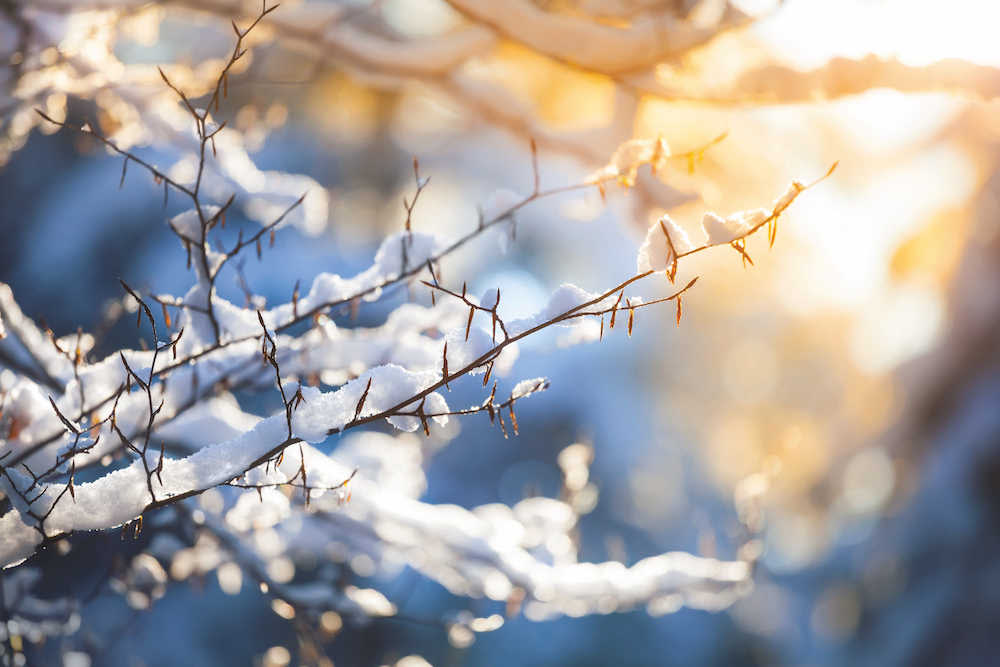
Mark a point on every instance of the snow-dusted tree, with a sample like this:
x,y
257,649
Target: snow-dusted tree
x,y
93,444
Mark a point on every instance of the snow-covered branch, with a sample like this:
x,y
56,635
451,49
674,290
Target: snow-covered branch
x,y
91,443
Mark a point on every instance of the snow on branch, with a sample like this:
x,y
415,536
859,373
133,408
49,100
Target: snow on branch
x,y
168,419
839,77
406,398
649,40
520,554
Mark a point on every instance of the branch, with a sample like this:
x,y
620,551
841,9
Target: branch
x,y
840,77
586,43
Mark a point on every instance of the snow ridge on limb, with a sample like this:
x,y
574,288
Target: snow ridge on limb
x,y
406,398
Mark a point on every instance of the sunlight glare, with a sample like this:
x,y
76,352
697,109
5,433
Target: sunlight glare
x,y
917,32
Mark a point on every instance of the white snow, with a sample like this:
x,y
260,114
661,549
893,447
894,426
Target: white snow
x,y
632,154
655,253
564,299
188,223
789,195
390,385
526,387
332,288
122,495
733,227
